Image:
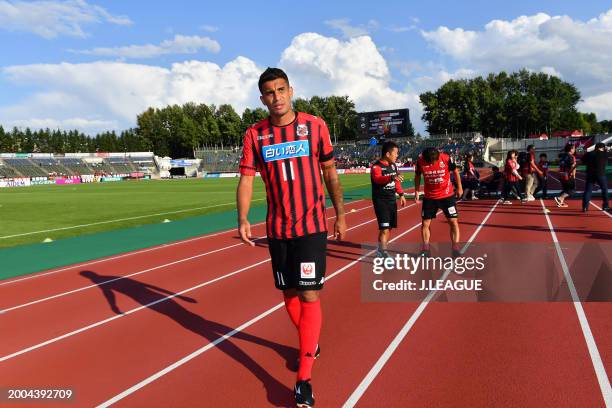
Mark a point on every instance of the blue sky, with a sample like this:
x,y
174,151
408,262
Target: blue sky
x,y
95,64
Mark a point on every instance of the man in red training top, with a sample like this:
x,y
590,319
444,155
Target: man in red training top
x,y
291,150
438,194
386,182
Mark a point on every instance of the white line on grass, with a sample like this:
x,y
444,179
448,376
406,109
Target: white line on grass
x,y
155,248
600,370
221,339
378,366
131,311
140,272
120,219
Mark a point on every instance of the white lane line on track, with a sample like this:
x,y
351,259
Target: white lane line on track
x,y
131,311
601,209
140,272
112,258
593,204
598,366
221,339
378,366
119,220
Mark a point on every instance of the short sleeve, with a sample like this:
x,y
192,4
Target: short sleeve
x,y
248,161
326,150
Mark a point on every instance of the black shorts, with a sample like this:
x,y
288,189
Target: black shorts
x,y
568,186
386,213
299,263
431,207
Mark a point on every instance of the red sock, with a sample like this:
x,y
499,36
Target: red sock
x,y
310,328
294,309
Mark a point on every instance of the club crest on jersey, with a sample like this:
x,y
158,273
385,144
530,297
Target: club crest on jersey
x,y
442,165
302,130
307,270
285,150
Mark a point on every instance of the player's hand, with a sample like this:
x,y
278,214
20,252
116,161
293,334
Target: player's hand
x,y
416,197
244,229
459,193
403,201
340,228
399,178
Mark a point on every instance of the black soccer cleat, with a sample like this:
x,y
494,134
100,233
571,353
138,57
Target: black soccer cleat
x,y
456,253
304,396
317,354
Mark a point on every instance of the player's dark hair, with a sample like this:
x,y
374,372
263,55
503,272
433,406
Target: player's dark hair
x,y
530,147
270,74
600,145
568,148
431,154
509,154
543,155
388,147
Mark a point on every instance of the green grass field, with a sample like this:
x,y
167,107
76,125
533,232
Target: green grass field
x,y
29,213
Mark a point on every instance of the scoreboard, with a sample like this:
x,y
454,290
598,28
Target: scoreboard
x,y
383,124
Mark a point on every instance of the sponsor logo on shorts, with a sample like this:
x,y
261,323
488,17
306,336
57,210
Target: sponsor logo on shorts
x,y
307,270
307,283
384,224
452,210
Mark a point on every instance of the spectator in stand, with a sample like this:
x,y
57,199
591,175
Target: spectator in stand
x,y
543,178
596,162
511,171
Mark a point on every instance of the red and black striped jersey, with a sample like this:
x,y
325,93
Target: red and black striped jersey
x,y
289,159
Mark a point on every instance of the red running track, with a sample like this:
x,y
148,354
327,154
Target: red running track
x,y
455,354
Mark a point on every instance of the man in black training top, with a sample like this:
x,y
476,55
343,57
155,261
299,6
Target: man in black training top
x,y
386,182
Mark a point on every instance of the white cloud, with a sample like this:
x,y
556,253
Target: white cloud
x,y
180,44
114,92
209,28
349,31
576,51
601,104
320,65
50,19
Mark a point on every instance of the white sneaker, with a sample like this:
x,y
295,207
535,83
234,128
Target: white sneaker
x,y
530,198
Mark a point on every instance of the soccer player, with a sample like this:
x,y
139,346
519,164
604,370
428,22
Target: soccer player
x,y
438,194
290,150
567,168
512,177
386,182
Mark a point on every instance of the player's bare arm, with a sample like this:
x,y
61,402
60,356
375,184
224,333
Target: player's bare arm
x,y
417,185
244,193
332,182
